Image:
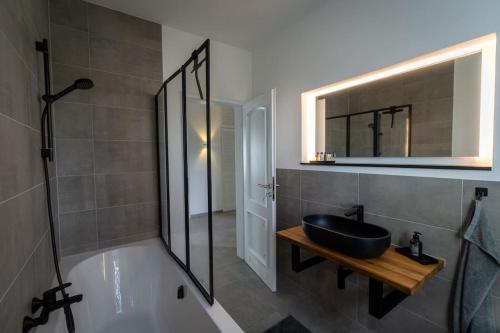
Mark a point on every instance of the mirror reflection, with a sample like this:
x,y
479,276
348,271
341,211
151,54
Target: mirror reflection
x,y
429,112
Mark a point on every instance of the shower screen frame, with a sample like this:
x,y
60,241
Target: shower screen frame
x,y
205,47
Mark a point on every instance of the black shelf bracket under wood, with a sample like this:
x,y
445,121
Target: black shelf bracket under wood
x,y
342,274
380,305
299,266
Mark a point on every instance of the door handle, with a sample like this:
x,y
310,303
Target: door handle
x,y
266,186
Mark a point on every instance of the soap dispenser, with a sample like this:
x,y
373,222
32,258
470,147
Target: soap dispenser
x,y
416,245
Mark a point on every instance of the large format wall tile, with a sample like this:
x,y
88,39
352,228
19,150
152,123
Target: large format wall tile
x,y
21,166
289,183
111,24
105,135
128,239
432,201
72,13
432,301
335,189
21,31
34,91
73,121
69,46
287,212
310,208
124,156
24,221
437,242
113,56
25,258
80,232
76,193
74,157
124,221
126,188
398,320
35,277
114,90
13,83
124,124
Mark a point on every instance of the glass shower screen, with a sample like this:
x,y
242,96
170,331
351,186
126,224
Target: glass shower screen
x,y
184,166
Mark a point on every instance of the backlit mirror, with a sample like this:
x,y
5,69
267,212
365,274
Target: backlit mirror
x,y
435,110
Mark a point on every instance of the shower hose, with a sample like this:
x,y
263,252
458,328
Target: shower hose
x,y
70,322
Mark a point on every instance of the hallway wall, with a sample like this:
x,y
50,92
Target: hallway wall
x,y
231,67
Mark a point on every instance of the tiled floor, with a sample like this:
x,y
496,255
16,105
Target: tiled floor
x,y
249,301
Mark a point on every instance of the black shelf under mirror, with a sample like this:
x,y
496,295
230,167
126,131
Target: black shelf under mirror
x,y
404,166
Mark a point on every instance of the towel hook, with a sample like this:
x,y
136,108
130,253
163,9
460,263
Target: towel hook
x,y
481,192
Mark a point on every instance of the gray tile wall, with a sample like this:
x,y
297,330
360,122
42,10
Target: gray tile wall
x,y
105,136
25,254
435,207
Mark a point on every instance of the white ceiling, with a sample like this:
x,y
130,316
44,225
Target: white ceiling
x,y
241,23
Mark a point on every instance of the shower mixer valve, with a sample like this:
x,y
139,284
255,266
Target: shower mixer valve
x,y
49,303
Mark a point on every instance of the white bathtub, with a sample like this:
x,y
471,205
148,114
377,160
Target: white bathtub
x,y
133,289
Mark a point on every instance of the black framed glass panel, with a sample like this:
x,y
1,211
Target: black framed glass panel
x,y
162,153
197,138
185,168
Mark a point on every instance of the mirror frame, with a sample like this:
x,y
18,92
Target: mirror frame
x,y
485,45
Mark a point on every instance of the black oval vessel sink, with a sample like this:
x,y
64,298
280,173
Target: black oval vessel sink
x,y
356,239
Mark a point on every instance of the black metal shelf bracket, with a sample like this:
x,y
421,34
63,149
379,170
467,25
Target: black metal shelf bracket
x,y
342,274
299,266
380,305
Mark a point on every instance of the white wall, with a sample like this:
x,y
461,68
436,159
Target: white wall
x,y
231,67
222,116
346,38
231,82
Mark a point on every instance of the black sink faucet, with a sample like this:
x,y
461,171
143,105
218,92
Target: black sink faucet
x,y
359,210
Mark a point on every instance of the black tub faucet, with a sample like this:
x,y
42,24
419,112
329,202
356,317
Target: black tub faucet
x,y
48,304
357,210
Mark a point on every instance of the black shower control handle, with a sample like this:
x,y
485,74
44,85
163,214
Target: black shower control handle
x,y
180,292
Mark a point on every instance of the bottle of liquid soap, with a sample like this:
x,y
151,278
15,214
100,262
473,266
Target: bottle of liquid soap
x,y
416,245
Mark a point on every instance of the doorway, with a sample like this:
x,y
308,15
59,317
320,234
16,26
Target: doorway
x,y
243,189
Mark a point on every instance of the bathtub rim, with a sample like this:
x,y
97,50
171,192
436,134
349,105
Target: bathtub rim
x,y
224,322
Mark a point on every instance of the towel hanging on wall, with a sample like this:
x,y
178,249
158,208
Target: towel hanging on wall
x,y
477,272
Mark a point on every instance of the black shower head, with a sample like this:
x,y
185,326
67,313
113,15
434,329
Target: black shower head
x,y
84,84
78,84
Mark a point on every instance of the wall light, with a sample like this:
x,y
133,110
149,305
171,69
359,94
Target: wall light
x,y
486,45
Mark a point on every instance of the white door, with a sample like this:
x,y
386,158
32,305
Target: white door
x,y
260,186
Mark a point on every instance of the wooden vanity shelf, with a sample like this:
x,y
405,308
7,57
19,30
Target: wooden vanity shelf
x,y
406,276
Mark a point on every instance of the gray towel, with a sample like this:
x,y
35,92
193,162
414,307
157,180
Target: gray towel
x,y
477,271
